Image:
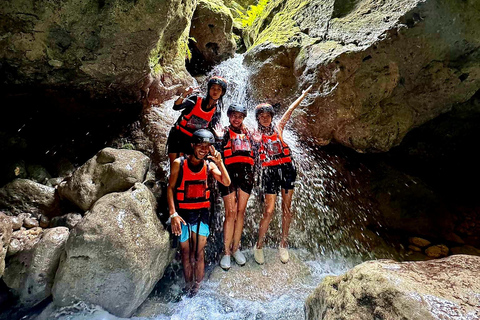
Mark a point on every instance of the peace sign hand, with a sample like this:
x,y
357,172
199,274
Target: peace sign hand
x,y
215,155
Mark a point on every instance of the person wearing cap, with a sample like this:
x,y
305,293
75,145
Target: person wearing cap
x,y
188,196
197,113
278,172
238,155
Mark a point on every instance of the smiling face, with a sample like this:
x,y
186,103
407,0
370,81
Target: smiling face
x,y
265,119
215,91
236,119
201,150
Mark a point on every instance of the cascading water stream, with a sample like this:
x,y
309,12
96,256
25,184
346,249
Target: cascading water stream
x,y
274,290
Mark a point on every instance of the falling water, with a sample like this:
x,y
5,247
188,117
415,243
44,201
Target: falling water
x,y
319,241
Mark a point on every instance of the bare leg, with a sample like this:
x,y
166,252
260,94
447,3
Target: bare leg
x,y
230,203
199,268
267,217
286,215
187,264
242,199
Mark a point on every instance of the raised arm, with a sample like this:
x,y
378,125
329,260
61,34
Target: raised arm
x,y
286,116
185,94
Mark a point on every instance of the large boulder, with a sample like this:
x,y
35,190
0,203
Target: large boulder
x,y
115,48
22,195
30,273
5,236
211,30
385,289
115,255
378,70
111,170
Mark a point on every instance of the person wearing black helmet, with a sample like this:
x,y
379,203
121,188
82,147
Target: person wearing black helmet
x,y
197,113
188,197
278,172
238,155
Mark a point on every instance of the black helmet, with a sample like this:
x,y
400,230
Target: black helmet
x,y
264,107
235,107
203,135
217,80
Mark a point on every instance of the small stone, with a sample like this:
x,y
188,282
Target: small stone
x,y
414,248
419,242
17,222
68,220
44,221
55,63
53,182
30,223
437,251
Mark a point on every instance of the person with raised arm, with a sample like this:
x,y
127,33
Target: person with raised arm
x,y
278,173
197,113
188,196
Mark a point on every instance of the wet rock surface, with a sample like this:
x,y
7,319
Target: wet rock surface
x,y
22,195
115,49
68,220
24,240
211,30
386,69
111,170
446,288
30,273
258,282
115,255
5,236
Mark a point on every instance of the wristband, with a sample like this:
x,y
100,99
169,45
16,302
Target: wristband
x,y
173,215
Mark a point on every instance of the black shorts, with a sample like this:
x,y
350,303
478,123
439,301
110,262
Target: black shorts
x,y
242,177
179,142
280,176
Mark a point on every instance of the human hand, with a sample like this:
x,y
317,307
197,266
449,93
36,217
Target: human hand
x,y
215,156
218,130
257,136
188,91
304,92
177,225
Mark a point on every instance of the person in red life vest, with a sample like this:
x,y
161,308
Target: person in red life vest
x,y
197,113
237,152
188,197
278,172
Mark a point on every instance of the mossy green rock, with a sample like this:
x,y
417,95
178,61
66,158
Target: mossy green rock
x,y
378,69
107,48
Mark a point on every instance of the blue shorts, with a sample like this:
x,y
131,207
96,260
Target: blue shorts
x,y
204,230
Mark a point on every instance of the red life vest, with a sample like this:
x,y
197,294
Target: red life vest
x,y
273,151
196,119
238,149
192,192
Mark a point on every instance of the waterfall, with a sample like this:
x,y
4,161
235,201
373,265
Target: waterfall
x,y
271,291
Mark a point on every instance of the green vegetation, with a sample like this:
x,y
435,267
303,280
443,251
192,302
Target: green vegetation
x,y
253,12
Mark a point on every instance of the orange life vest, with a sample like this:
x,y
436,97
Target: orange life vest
x,y
192,192
273,151
196,119
238,149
